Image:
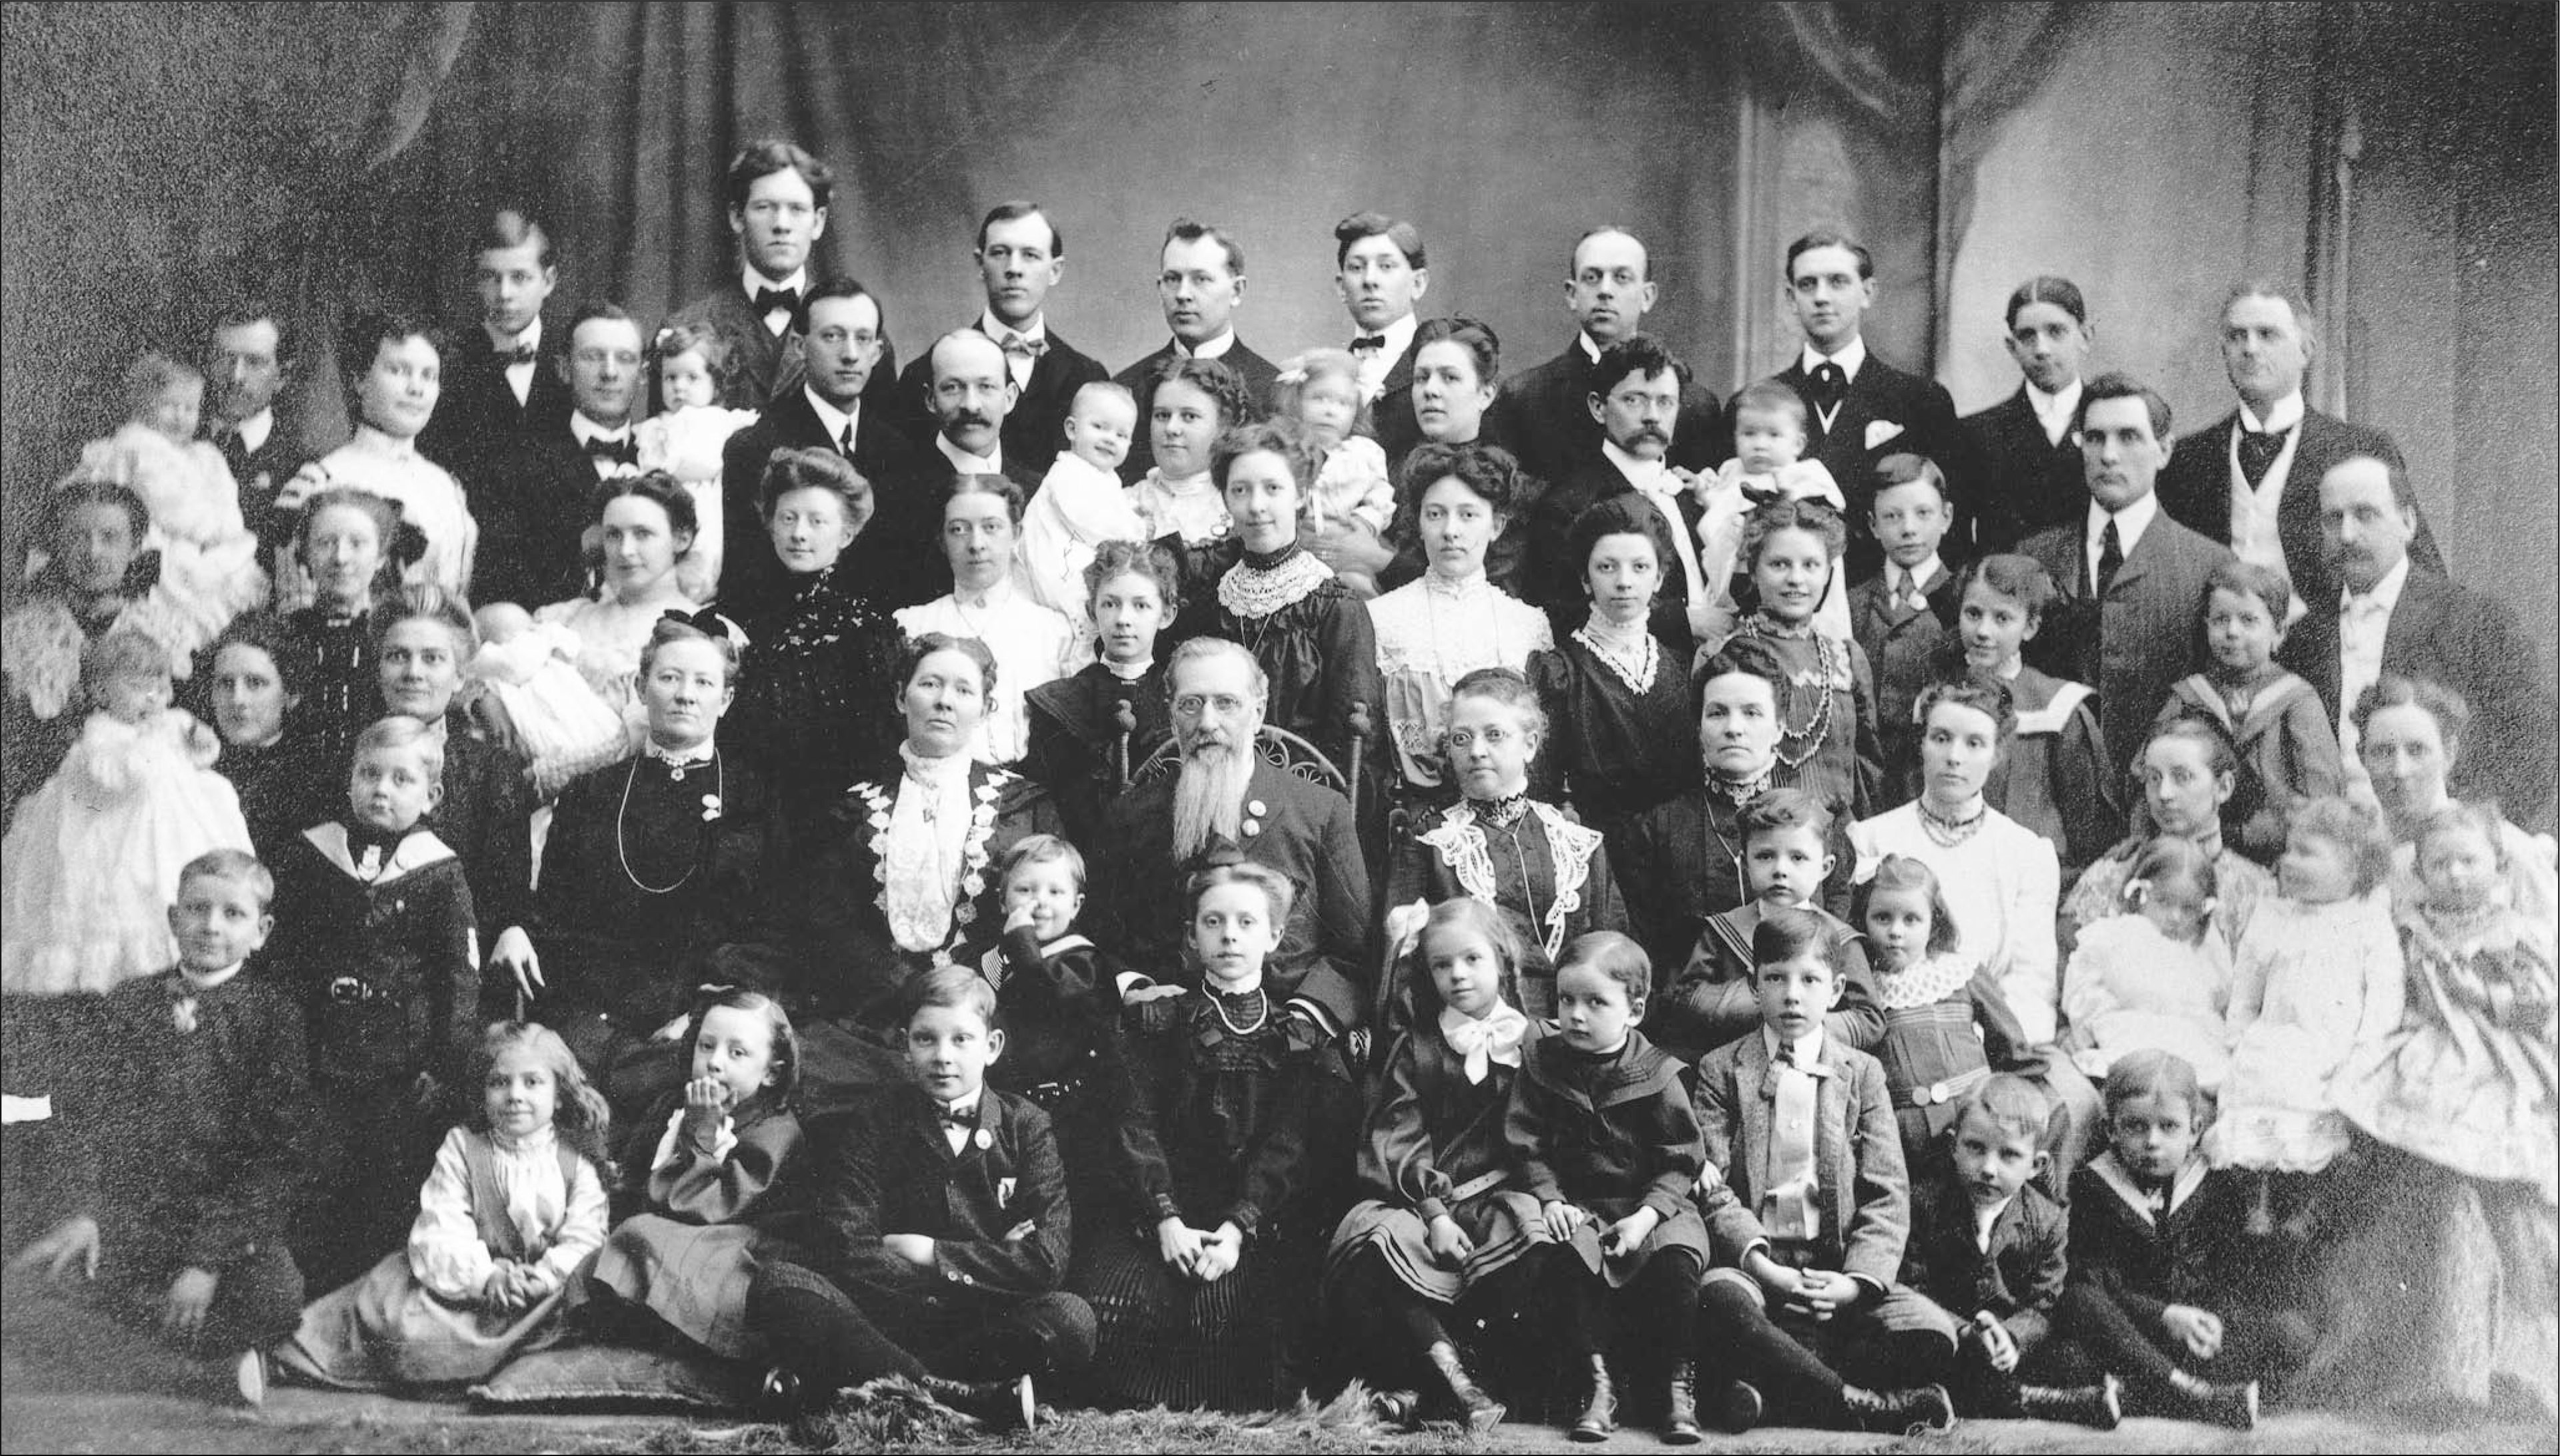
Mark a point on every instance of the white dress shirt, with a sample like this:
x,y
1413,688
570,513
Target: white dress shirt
x,y
2130,523
842,425
991,463
1910,588
583,430
2363,624
1851,359
2054,412
2254,534
1208,347
254,431
753,282
1375,368
1035,332
520,376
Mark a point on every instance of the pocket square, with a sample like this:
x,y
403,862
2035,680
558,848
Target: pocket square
x,y
1880,430
1005,1192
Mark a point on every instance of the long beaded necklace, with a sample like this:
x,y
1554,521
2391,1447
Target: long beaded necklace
x,y
719,791
1830,662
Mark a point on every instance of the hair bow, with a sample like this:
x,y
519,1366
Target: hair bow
x,y
707,621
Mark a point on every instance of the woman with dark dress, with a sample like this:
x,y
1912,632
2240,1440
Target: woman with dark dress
x,y
1622,732
352,545
252,685
652,864
1133,590
1311,634
814,701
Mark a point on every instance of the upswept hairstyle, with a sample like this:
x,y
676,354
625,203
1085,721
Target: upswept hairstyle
x,y
1147,558
1286,438
912,653
811,468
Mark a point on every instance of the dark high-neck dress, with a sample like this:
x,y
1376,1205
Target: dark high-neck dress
x,y
1075,729
341,685
1613,749
816,697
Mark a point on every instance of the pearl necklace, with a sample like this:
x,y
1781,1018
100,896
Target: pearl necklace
x,y
1261,1012
1948,833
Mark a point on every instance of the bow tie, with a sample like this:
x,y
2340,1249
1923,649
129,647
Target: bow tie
x,y
181,1003
1830,384
963,1119
1369,344
1495,1038
769,299
1023,346
624,451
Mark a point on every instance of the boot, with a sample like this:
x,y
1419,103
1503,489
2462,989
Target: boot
x,y
1482,1412
1892,1412
1401,1410
1738,1408
778,1397
2098,1406
250,1378
1680,1407
2194,1398
1600,1411
1002,1404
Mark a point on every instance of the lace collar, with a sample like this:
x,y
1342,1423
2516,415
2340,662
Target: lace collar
x,y
1253,589
1635,669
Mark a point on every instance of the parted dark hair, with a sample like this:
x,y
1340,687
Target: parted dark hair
x,y
1619,515
1771,396
1276,890
511,226
1896,872
1148,559
786,1038
1224,387
1184,230
2118,385
659,488
1986,694
1774,810
400,542
960,988
2452,712
1788,931
2147,1072
1464,915
2062,293
1615,957
812,468
1406,238
1020,208
1002,487
1909,469
369,329
1782,514
1486,470
1286,438
912,653
611,312
768,155
234,310
840,288
1640,355
1829,237
2021,579
579,1116
1484,347
1746,657
2220,755
264,631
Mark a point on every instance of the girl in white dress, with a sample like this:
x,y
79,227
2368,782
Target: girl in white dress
x,y
2152,976
91,862
686,438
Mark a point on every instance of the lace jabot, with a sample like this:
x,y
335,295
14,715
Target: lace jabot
x,y
1258,587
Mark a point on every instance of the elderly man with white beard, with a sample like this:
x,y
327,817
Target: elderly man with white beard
x,y
1228,803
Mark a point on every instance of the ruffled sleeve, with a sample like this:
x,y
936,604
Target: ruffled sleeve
x,y
445,1251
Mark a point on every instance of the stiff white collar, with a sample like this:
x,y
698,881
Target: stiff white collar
x,y
991,463
2385,593
2285,414
254,431
1399,337
1852,357
837,422
994,328
2131,521
1641,474
586,429
531,338
751,282
207,979
1208,347
1809,1047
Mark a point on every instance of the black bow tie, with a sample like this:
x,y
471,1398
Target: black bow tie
x,y
624,451
769,299
1369,344
961,1120
520,354
1830,384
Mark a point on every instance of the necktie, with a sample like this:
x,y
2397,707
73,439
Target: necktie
x,y
1791,1212
2111,556
845,441
768,300
1910,595
1022,346
1369,343
2258,453
624,451
182,1005
1830,385
235,452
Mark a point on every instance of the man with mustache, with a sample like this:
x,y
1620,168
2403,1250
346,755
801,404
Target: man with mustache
x,y
2253,478
1021,256
2129,582
969,393
841,334
1636,396
2392,613
1227,803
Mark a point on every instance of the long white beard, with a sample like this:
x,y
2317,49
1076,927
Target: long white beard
x,y
1209,798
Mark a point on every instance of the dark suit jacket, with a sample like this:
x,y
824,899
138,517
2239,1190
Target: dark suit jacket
x,y
532,497
1857,1150
2018,1280
2471,642
1035,430
1903,647
1259,375
763,365
1139,917
879,558
2140,639
477,416
261,474
1544,416
1392,413
1880,395
2022,483
2196,489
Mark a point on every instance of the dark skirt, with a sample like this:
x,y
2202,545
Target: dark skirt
x,y
1230,1344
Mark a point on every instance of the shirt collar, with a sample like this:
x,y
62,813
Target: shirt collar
x,y
2131,521
1208,347
1851,359
996,328
1639,473
835,420
1127,674
2285,414
531,338
254,431
991,463
1399,337
1000,594
2066,403
199,982
2385,593
584,429
681,758
1924,574
753,282
1809,1047
1590,347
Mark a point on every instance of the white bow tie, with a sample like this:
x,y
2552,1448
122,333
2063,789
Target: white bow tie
x,y
1495,1038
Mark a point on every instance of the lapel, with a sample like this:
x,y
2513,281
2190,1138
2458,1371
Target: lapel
x,y
1400,376
925,1120
2415,624
2147,553
1750,1076
794,422
1831,1146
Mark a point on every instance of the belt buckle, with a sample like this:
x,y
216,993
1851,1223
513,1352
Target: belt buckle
x,y
346,990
